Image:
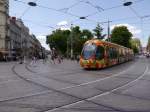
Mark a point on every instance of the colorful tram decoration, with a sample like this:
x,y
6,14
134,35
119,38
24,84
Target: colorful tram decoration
x,y
100,54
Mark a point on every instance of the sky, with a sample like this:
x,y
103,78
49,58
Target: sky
x,y
49,15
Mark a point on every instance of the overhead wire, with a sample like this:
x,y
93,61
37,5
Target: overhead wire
x,y
26,10
71,6
41,6
39,24
78,17
113,7
134,12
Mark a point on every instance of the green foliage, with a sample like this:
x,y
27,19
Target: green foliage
x,y
58,39
98,32
87,34
148,44
121,35
79,38
135,45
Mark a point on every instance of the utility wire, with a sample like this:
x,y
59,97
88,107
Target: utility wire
x,y
73,5
39,24
101,22
113,7
95,6
50,9
134,12
93,13
26,10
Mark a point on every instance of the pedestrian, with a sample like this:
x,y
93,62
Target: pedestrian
x,y
59,59
77,58
54,55
33,61
21,60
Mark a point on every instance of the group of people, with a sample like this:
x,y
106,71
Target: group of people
x,y
54,57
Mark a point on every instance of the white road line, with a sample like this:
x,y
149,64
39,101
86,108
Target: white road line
x,y
105,93
10,80
108,92
29,95
98,79
69,86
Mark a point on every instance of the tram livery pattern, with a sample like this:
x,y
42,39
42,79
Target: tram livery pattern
x,y
100,54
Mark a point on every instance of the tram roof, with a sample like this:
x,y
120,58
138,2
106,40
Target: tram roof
x,y
105,42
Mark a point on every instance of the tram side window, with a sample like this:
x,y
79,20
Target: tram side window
x,y
100,52
115,52
111,53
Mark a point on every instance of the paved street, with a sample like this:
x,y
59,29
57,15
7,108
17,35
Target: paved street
x,y
66,87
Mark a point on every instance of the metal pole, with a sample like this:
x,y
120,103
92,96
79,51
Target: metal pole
x,y
67,47
71,42
109,39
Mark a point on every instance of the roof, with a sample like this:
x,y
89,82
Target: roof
x,y
106,43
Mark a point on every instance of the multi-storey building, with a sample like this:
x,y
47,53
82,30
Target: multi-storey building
x,y
4,12
14,34
15,39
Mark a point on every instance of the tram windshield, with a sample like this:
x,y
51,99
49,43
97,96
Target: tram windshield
x,y
88,50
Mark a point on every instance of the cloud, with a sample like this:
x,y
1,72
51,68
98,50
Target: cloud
x,y
134,30
63,25
42,40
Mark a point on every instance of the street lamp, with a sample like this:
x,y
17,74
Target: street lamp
x,y
82,17
33,4
71,52
127,3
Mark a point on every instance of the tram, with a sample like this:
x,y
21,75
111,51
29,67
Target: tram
x,y
98,54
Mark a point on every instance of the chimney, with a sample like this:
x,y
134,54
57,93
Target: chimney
x,y
13,19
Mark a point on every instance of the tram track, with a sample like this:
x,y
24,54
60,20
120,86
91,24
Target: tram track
x,y
49,90
87,83
29,81
74,71
104,93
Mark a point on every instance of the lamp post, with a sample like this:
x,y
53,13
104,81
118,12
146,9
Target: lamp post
x,y
109,39
71,51
67,47
127,3
33,4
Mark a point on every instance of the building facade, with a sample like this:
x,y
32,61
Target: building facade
x,y
4,14
15,38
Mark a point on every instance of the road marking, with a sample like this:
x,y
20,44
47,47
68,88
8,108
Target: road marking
x,y
48,91
10,80
108,92
105,93
98,79
76,86
29,95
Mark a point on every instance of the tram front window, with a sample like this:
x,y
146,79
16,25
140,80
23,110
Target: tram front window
x,y
88,50
99,53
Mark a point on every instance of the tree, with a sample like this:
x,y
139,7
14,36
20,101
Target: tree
x,y
122,36
79,38
58,40
148,44
61,39
98,32
87,34
135,45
